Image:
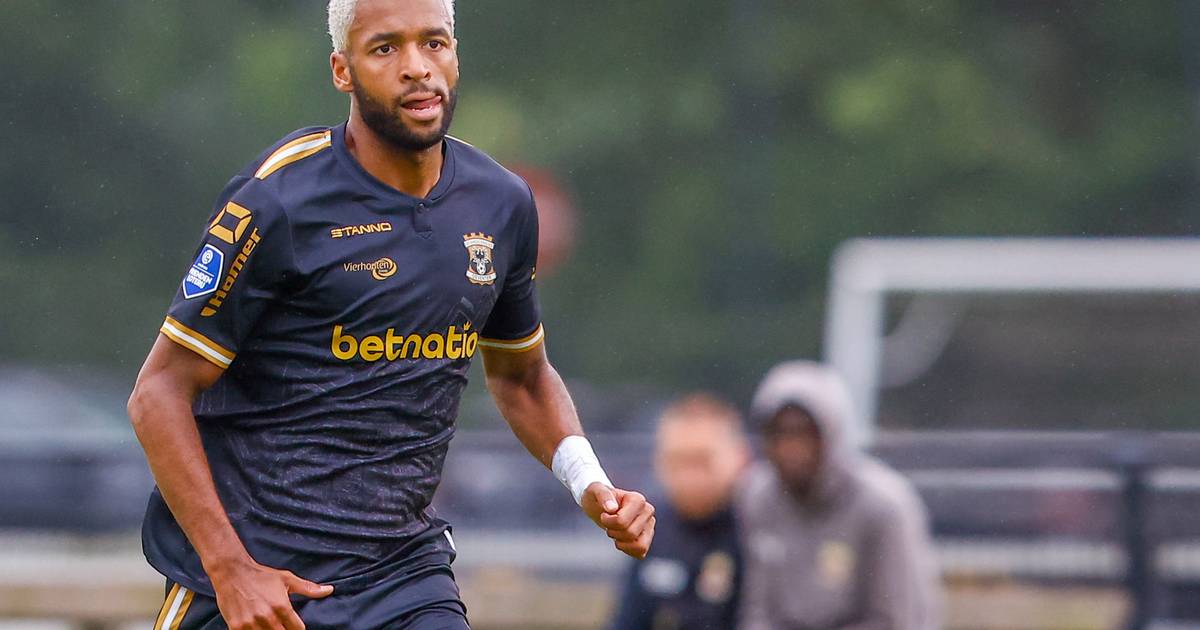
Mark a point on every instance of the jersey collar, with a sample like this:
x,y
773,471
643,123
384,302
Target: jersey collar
x,y
374,185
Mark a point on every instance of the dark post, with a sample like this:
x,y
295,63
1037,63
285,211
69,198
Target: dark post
x,y
1189,19
1139,576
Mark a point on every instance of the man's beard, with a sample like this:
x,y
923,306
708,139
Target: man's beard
x,y
387,122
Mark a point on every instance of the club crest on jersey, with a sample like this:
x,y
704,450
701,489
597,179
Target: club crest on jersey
x,y
479,258
202,277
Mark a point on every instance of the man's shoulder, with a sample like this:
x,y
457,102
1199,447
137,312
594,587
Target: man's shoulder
x,y
292,148
290,162
281,171
758,491
886,492
473,164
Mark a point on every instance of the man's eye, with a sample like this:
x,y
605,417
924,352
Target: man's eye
x,y
436,45
384,49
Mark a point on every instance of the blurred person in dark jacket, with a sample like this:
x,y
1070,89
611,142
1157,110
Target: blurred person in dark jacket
x,y
691,579
832,538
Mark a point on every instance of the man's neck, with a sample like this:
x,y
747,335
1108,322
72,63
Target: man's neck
x,y
801,493
413,173
706,519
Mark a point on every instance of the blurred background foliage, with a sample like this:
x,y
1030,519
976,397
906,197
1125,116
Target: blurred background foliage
x,y
717,152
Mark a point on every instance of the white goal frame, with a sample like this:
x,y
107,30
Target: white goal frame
x,y
864,271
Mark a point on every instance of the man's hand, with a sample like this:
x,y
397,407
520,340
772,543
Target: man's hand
x,y
627,517
253,597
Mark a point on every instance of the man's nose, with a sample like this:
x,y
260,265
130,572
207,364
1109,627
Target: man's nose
x,y
414,67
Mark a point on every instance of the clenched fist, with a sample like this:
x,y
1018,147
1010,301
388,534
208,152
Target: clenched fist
x,y
627,517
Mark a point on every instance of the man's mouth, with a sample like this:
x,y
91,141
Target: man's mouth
x,y
423,107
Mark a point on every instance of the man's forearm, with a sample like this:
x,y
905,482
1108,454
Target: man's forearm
x,y
166,428
535,402
538,408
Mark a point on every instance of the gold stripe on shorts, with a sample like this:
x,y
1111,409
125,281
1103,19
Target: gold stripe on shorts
x,y
178,601
183,608
166,605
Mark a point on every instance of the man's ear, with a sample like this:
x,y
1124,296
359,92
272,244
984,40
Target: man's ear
x,y
339,67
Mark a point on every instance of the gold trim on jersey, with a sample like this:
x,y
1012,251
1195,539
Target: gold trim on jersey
x,y
196,342
524,344
295,151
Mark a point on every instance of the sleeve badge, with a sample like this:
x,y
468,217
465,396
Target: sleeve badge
x,y
202,276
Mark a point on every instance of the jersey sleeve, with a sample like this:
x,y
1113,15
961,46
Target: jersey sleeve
x,y
515,323
237,270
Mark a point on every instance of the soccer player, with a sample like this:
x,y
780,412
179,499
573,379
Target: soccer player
x,y
297,405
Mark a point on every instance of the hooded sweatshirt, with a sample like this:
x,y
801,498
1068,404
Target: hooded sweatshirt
x,y
852,554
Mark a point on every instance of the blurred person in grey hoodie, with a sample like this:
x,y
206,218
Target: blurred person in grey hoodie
x,y
833,539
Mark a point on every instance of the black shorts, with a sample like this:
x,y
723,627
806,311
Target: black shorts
x,y
424,600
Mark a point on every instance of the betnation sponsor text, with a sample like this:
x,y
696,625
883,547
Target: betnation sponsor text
x,y
454,343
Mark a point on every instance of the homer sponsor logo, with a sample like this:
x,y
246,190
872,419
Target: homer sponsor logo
x,y
235,270
452,344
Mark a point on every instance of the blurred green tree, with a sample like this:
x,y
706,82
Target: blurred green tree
x,y
719,151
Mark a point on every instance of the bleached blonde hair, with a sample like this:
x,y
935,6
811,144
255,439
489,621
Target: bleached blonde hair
x,y
341,15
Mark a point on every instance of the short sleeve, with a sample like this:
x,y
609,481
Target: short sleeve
x,y
515,323
237,270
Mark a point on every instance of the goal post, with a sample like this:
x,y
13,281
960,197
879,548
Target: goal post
x,y
865,271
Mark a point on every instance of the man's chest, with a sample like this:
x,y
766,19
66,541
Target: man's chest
x,y
692,567
411,266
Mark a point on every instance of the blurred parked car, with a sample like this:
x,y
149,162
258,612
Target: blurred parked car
x,y
68,457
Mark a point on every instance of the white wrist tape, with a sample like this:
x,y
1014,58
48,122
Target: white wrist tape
x,y
575,464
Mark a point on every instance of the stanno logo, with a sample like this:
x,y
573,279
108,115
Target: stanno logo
x,y
231,222
358,230
380,269
235,269
479,258
452,344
